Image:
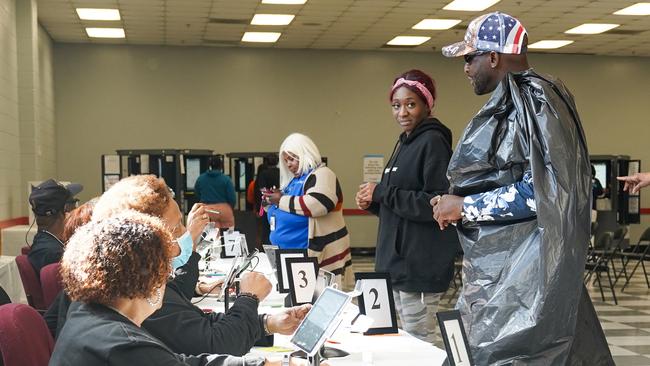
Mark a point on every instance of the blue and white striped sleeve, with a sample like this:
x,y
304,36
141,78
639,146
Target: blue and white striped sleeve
x,y
513,202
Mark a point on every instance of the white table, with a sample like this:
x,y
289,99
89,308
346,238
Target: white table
x,y
378,350
10,279
13,238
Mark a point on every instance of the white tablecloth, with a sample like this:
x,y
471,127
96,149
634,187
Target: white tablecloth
x,y
378,350
13,238
10,279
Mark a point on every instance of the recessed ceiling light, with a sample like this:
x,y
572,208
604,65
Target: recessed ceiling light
x,y
285,2
436,24
272,19
98,14
470,5
591,28
105,32
636,9
407,41
266,37
549,44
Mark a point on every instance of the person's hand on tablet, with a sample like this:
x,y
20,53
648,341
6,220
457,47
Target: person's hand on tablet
x,y
287,321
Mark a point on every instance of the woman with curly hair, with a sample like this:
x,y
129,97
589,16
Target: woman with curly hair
x,y
117,269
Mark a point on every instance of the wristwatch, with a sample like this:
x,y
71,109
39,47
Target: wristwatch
x,y
285,360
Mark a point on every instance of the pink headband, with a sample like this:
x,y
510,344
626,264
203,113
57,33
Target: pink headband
x,y
423,89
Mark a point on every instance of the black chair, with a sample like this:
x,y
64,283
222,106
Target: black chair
x,y
600,260
640,253
4,298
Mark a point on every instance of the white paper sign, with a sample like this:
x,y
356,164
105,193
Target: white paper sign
x,y
283,266
373,166
112,164
456,343
232,244
304,281
144,164
376,302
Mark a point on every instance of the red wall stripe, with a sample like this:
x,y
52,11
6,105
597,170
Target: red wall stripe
x,y
13,222
355,212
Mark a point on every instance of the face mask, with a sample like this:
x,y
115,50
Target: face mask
x,y
186,243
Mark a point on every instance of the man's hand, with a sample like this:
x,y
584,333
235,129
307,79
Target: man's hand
x,y
447,209
634,183
196,221
287,321
255,283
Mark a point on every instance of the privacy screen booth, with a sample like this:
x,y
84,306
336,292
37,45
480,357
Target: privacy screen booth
x,y
178,167
615,207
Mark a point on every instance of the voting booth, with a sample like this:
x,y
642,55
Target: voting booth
x,y
614,206
178,167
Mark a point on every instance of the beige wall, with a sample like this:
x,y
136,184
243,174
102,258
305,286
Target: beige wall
x,y
27,143
231,99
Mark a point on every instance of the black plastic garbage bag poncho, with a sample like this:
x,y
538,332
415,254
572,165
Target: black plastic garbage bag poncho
x,y
523,280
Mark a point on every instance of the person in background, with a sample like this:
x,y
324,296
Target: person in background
x,y
268,177
596,192
410,245
306,212
48,201
128,257
520,191
634,183
216,191
77,218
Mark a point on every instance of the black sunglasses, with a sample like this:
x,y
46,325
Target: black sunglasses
x,y
470,56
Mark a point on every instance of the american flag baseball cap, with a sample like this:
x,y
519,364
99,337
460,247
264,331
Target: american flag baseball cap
x,y
496,32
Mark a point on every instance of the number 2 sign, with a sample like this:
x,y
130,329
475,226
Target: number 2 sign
x,y
302,279
453,334
376,301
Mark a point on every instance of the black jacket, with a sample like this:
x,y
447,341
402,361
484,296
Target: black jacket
x,y
46,249
185,328
410,245
97,335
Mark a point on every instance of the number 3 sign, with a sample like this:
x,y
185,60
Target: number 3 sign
x,y
453,334
302,279
376,301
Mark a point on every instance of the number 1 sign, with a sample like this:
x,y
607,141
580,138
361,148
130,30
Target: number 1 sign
x,y
302,279
376,301
453,334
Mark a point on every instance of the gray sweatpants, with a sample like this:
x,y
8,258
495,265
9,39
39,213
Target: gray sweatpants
x,y
417,313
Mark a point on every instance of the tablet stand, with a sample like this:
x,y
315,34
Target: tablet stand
x,y
325,353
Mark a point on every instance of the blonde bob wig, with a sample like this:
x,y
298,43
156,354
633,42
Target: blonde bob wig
x,y
304,149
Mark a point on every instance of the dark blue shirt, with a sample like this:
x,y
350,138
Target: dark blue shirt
x,y
214,187
46,249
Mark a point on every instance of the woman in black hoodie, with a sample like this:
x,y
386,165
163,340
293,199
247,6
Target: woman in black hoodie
x,y
410,245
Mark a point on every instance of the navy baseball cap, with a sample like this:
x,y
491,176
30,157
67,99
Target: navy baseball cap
x,y
496,32
51,197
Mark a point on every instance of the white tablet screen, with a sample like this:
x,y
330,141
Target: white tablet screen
x,y
309,334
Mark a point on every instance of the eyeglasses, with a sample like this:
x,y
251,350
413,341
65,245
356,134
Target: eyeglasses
x,y
470,56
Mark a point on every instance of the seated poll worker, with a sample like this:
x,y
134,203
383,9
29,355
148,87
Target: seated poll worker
x,y
128,256
180,324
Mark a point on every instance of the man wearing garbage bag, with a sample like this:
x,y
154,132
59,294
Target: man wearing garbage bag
x,y
520,191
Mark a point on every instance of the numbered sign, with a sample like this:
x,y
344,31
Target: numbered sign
x,y
376,301
281,257
302,279
232,245
453,334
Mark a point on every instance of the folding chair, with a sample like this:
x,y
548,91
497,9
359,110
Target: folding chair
x,y
600,260
640,256
50,283
31,283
